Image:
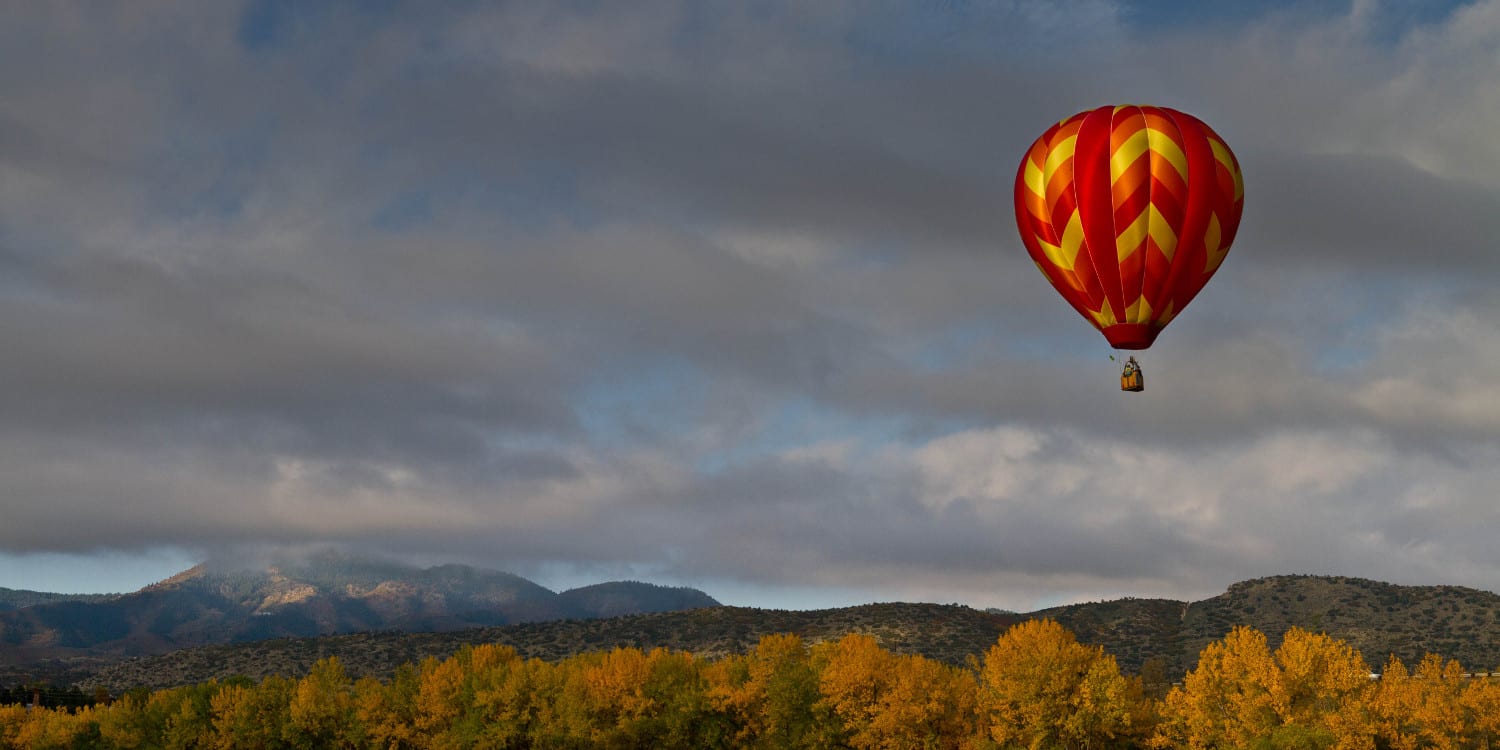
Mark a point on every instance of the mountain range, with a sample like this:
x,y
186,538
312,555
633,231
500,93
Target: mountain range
x,y
320,595
1378,619
207,623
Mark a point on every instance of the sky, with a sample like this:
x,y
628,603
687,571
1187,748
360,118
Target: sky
x,y
730,295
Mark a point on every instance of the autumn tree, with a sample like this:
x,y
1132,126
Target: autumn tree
x,y
136,720
56,729
189,725
1242,695
1422,709
1481,703
771,696
439,701
12,716
321,713
386,711
517,703
626,698
854,676
606,697
682,715
889,701
1321,681
247,716
1041,688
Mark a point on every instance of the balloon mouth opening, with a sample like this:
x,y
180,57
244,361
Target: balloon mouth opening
x,y
1131,335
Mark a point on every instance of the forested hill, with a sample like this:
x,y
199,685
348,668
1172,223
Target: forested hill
x,y
946,632
1379,619
11,599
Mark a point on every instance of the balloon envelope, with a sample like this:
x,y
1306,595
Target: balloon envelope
x,y
1128,211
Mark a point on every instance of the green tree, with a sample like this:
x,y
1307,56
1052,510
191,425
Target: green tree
x,y
134,721
771,697
190,723
517,705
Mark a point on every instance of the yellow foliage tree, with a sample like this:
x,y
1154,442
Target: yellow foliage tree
x,y
54,729
1226,700
134,721
1423,709
611,695
888,701
439,702
1481,702
11,718
321,712
1041,688
930,705
1318,675
386,712
855,676
1308,694
1037,687
247,717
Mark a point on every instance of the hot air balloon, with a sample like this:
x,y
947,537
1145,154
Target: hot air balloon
x,y
1128,211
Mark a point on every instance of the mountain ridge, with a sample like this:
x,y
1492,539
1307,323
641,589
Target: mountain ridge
x,y
1378,619
13,599
322,594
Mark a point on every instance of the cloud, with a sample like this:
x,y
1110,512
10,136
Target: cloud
x,y
736,294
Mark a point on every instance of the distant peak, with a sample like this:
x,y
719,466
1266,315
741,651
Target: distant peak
x,y
195,572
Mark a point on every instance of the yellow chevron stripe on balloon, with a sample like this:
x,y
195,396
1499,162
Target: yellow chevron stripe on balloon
x,y
1104,316
1058,156
1064,256
1224,157
1164,146
1133,148
1035,181
1211,244
1133,236
1150,224
1162,234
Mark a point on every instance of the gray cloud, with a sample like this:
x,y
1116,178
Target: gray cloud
x,y
735,294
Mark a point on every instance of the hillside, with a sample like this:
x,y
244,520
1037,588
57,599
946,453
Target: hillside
x,y
632,597
12,599
946,632
1379,619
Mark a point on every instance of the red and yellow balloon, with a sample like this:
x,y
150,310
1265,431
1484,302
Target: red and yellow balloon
x,y
1128,211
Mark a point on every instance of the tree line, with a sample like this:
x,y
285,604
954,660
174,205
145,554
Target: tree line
x,y
50,696
1036,687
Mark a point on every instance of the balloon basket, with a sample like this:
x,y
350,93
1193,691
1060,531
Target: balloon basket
x,y
1131,378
